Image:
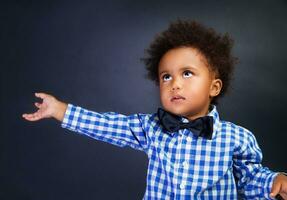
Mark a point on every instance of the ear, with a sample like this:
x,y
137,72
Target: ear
x,y
215,87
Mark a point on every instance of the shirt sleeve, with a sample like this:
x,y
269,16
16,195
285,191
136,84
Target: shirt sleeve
x,y
253,180
110,127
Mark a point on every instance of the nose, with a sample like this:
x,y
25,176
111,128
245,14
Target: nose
x,y
176,84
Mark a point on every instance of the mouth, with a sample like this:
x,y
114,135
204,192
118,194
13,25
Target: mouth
x,y
177,98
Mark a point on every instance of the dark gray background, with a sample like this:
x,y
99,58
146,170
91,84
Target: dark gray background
x,y
88,53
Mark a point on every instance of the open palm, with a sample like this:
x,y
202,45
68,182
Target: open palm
x,y
45,109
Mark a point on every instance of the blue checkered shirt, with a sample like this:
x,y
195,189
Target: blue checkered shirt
x,y
181,165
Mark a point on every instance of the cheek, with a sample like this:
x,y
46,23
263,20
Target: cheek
x,y
197,89
163,93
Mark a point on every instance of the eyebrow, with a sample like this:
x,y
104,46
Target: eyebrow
x,y
182,69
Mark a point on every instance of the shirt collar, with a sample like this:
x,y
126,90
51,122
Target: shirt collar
x,y
216,120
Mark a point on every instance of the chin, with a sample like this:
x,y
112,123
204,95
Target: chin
x,y
176,111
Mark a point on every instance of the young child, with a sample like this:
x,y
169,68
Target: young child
x,y
192,153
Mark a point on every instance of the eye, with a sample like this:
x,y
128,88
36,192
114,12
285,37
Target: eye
x,y
187,74
166,77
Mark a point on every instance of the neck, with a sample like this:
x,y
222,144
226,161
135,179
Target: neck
x,y
201,113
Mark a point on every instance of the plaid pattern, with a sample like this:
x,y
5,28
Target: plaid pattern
x,y
181,165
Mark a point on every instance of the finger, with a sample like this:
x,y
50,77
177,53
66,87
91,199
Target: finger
x,y
283,195
38,105
41,95
28,116
275,189
279,197
32,117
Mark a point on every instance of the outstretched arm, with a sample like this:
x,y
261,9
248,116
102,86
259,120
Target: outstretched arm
x,y
50,107
114,128
111,127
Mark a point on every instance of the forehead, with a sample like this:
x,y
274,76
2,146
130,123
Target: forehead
x,y
182,57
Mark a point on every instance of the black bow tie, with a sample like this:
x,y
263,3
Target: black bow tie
x,y
202,126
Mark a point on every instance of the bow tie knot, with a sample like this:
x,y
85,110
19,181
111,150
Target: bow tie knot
x,y
202,126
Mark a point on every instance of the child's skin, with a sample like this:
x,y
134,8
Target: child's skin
x,y
187,86
183,74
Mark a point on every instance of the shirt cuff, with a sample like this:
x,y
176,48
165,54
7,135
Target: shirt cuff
x,y
70,117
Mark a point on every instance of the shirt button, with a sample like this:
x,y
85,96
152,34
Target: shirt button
x,y
185,164
181,186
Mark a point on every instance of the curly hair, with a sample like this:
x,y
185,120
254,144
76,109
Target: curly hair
x,y
215,47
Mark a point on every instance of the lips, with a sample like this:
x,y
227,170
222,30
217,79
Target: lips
x,y
177,98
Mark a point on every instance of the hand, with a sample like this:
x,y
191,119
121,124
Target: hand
x,y
279,186
50,107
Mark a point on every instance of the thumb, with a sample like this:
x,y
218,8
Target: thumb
x,y
275,189
41,95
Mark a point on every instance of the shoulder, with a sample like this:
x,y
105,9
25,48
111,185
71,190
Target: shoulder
x,y
150,119
234,129
237,131
228,130
241,136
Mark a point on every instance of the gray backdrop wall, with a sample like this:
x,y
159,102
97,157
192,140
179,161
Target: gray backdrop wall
x,y
88,53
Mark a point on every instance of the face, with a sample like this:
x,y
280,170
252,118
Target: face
x,y
186,84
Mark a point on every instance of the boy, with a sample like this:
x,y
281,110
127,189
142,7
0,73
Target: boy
x,y
192,153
